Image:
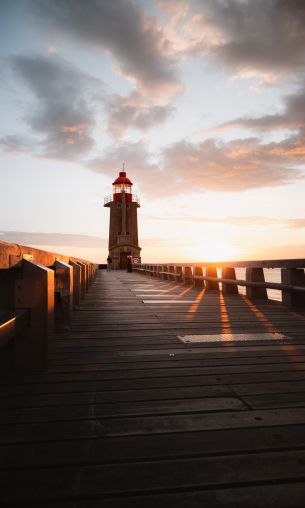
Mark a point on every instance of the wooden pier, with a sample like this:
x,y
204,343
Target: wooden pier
x,y
132,413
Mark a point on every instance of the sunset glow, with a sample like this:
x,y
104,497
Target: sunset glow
x,y
217,251
204,102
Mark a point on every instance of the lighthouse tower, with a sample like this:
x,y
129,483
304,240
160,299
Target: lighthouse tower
x,y
123,224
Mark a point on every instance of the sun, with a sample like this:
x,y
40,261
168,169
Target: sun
x,y
219,251
213,250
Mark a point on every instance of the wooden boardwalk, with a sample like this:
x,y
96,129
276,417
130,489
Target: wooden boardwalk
x,y
129,415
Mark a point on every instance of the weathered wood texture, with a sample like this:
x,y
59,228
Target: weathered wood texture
x,y
130,416
12,253
47,287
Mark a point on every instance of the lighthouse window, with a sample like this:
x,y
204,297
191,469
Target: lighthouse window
x,y
120,187
119,205
128,205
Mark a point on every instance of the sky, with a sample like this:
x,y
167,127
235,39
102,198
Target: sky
x,y
203,100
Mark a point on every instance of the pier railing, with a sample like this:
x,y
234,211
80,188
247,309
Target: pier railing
x,y
38,291
205,274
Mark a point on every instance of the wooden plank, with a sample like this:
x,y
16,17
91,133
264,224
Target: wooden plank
x,y
129,416
151,447
166,382
277,400
106,410
288,494
266,388
148,477
148,425
78,398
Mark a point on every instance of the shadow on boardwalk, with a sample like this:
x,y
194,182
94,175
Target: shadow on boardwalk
x,y
130,415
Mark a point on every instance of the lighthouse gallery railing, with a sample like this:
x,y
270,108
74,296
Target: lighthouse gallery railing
x,y
109,199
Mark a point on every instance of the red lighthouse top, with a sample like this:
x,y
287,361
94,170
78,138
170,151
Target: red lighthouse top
x,y
122,185
122,178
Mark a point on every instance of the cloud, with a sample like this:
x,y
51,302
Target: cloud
x,y
184,167
56,239
233,166
248,37
63,107
139,166
134,112
292,116
261,35
122,28
290,251
14,143
290,152
235,221
138,44
142,167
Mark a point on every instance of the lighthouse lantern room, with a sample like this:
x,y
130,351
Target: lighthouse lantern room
x,y
123,224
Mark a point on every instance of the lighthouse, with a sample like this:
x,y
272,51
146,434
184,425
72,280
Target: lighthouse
x,y
123,223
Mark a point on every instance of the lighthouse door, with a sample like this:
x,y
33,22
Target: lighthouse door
x,y
123,260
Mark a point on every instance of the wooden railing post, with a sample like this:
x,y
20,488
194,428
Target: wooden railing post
x,y
178,271
87,277
211,271
76,284
188,275
63,294
164,269
92,273
34,290
295,277
255,275
159,270
83,279
229,273
198,273
171,269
